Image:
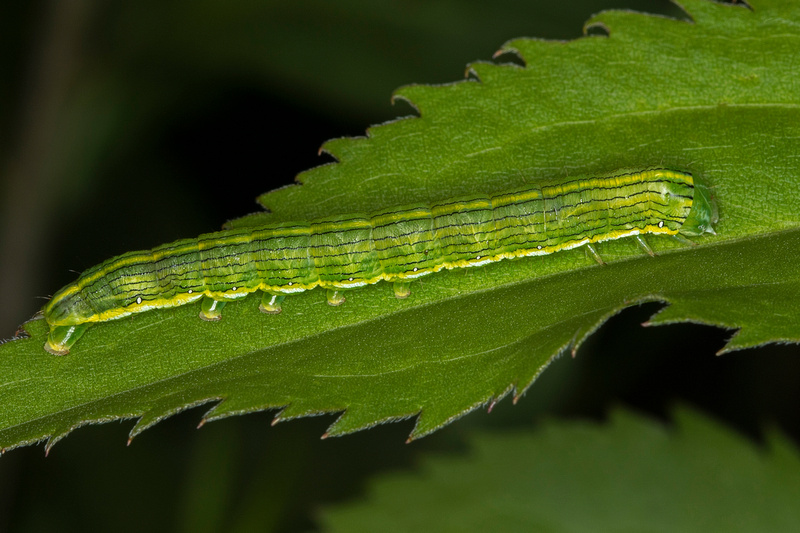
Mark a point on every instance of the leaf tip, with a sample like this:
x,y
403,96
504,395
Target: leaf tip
x,y
732,347
397,96
596,27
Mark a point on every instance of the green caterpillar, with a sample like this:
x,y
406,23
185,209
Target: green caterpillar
x,y
397,244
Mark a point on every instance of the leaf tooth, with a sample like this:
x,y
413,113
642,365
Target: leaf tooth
x,y
278,418
404,94
145,422
671,314
336,148
491,406
12,444
356,419
680,312
489,72
749,337
420,96
520,391
494,400
431,419
231,407
299,409
517,395
62,430
508,57
746,336
162,409
527,49
52,441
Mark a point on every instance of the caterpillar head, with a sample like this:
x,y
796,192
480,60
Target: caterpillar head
x,y
703,216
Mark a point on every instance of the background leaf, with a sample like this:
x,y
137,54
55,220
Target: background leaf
x,y
631,474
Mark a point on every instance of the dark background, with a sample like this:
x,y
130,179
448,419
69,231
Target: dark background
x,y
125,125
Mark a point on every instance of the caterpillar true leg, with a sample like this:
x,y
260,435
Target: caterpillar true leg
x,y
683,240
595,254
645,246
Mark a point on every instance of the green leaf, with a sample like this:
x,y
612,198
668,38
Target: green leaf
x,y
629,475
717,96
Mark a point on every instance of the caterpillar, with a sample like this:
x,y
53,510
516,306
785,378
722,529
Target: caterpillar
x,y
398,245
